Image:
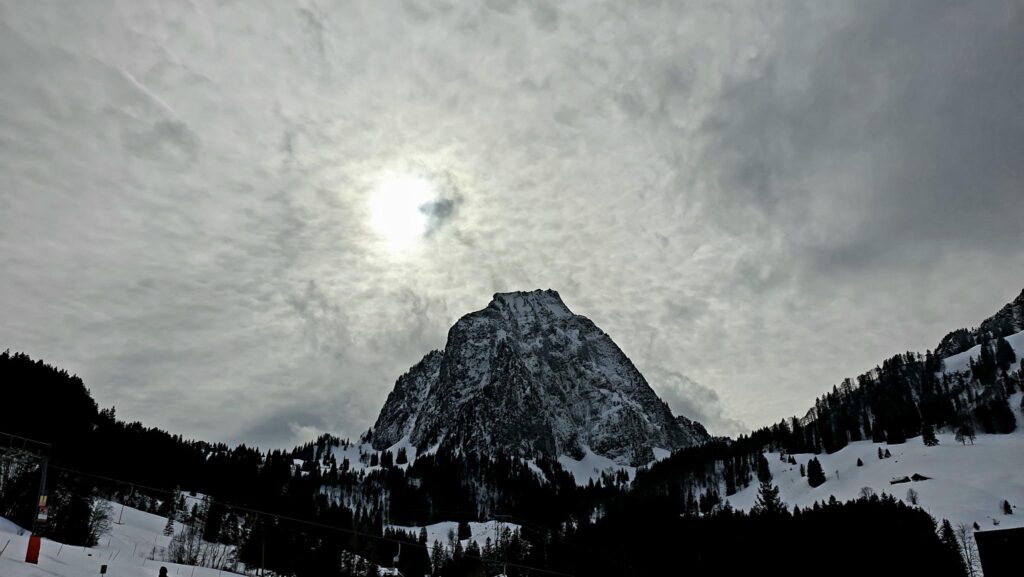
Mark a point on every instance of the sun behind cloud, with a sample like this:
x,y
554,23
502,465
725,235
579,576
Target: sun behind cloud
x,y
397,210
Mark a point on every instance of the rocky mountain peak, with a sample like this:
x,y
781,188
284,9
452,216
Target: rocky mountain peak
x,y
527,376
530,306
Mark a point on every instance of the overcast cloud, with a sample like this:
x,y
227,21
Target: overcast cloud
x,y
765,197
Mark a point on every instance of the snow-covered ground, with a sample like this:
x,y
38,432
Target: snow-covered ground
x,y
354,451
125,551
967,484
480,532
591,466
961,361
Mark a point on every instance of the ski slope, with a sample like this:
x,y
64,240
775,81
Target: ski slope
x,y
125,551
968,483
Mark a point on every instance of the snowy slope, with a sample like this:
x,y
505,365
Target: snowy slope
x,y
1007,321
526,376
968,483
354,454
479,532
591,466
124,550
962,361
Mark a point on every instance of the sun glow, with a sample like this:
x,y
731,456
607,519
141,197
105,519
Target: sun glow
x,y
397,210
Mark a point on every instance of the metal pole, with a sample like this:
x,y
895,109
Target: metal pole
x,y
263,547
39,523
41,512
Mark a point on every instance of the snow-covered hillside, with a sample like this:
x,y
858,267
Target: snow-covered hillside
x,y
480,533
962,361
967,483
125,550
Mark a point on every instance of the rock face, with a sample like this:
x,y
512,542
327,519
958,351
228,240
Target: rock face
x,y
1009,320
527,376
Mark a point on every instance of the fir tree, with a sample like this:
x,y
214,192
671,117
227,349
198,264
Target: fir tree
x,y
768,501
887,454
860,463
169,527
954,556
1004,356
1007,508
464,531
1002,418
928,435
764,473
984,368
815,474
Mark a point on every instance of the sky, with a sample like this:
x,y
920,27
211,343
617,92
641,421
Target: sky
x,y
243,220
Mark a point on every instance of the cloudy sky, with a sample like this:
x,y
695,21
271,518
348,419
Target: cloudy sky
x,y
242,220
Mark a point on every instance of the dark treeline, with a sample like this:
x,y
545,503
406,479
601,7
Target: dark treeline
x,y
655,536
675,513
146,467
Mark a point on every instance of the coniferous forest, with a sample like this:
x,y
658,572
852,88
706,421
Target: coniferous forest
x,y
317,512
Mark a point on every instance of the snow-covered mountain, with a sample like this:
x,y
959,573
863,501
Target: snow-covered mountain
x,y
1007,321
966,482
525,375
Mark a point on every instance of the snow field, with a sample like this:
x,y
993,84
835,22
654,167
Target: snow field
x,y
124,550
968,483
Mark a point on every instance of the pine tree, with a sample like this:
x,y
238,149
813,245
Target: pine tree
x,y
948,537
880,455
860,463
1007,508
815,474
438,557
169,527
764,473
984,368
1003,421
887,454
464,531
1004,356
768,501
928,435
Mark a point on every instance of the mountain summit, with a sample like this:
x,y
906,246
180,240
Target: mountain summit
x,y
525,375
